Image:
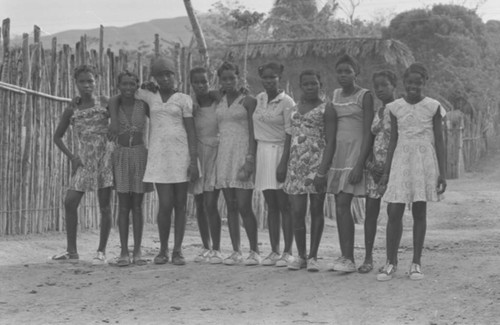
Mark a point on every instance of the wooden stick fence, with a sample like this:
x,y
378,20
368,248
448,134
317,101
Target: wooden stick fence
x,y
36,84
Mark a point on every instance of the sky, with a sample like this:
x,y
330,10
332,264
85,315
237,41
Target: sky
x,y
53,16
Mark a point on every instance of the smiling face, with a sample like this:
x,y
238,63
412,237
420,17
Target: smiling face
x,y
345,74
270,80
199,82
165,80
383,89
85,83
228,80
128,85
310,86
414,83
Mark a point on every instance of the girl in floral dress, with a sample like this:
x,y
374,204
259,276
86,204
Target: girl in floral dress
x,y
236,162
271,120
206,195
384,83
311,140
354,107
414,168
91,163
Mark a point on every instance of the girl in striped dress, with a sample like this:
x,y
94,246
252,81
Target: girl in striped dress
x,y
271,119
129,165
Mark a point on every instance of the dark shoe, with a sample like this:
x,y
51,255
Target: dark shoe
x,y
365,268
161,259
178,259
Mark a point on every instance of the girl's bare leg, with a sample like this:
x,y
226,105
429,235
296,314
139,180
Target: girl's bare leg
x,y
104,196
124,207
137,222
317,222
233,219
71,203
298,204
419,210
244,201
345,224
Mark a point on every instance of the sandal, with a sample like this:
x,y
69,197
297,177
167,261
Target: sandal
x,y
65,256
160,259
416,272
123,261
139,261
365,268
387,272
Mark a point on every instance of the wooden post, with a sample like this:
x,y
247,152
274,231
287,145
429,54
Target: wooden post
x,y
157,45
6,45
101,49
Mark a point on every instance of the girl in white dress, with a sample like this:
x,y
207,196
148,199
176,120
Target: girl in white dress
x,y
415,161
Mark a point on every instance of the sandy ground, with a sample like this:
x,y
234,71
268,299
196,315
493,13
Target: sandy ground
x,y
461,262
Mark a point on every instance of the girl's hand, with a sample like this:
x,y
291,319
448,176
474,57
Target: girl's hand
x,y
149,86
319,183
76,163
356,174
281,172
382,183
377,173
113,130
246,170
193,172
441,185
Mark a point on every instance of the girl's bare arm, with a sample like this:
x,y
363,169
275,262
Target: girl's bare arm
x,y
330,120
250,103
390,151
439,145
61,129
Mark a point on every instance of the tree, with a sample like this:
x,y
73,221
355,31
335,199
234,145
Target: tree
x,y
198,32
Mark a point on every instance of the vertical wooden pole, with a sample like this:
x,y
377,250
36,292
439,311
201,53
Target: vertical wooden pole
x,y
157,45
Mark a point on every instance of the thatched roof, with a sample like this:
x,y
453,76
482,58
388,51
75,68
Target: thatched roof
x,y
394,52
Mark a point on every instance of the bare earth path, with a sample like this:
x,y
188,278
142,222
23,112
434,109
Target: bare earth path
x,y
461,262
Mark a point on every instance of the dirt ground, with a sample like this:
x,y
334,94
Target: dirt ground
x,y
461,262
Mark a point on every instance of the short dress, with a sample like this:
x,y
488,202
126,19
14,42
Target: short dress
x,y
271,119
381,129
306,150
129,162
233,144
349,139
168,154
207,134
414,168
90,129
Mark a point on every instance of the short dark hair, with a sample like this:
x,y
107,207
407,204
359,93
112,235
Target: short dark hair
x,y
417,67
83,69
310,72
278,68
127,73
196,70
228,66
347,59
389,74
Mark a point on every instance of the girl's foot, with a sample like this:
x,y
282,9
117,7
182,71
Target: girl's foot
x,y
271,259
161,259
416,272
138,260
386,272
178,258
312,264
215,258
285,259
343,264
234,258
253,259
203,256
366,267
123,260
99,259
297,264
65,256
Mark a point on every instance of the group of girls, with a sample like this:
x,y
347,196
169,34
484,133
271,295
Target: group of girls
x,y
230,140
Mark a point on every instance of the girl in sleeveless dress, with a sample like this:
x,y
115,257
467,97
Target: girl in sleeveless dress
x,y
309,150
236,162
271,120
91,163
206,195
415,167
384,84
172,156
354,107
129,165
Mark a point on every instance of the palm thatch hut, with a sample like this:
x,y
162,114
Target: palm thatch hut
x,y
321,54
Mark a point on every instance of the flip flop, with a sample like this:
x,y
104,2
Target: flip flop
x,y
65,256
139,261
161,259
123,261
365,268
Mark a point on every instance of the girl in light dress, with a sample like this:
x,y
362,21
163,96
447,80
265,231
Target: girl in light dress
x,y
354,107
309,148
271,120
129,165
172,155
415,168
206,195
384,84
90,164
235,162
